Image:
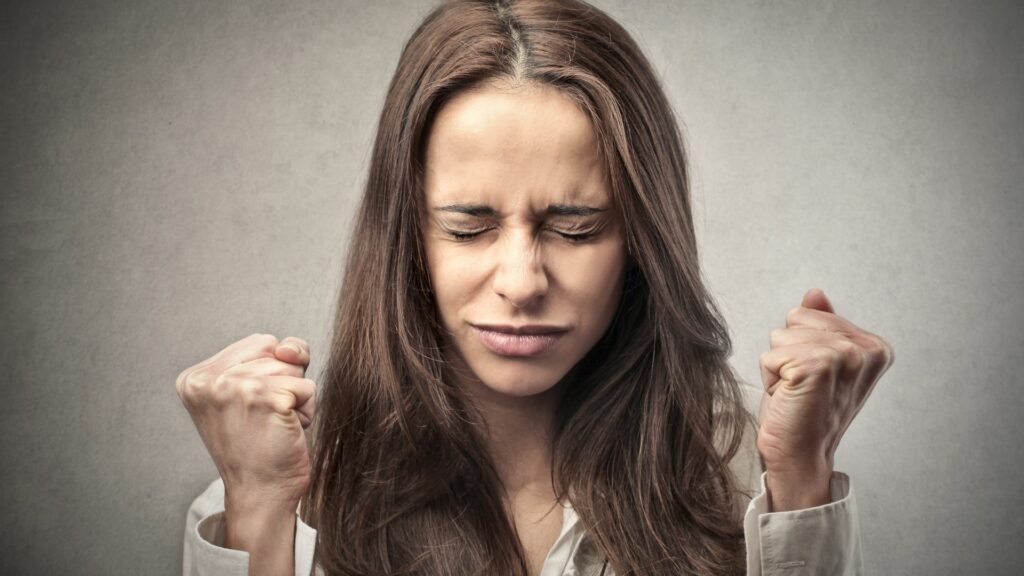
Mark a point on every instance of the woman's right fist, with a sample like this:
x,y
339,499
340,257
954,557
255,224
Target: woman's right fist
x,y
250,403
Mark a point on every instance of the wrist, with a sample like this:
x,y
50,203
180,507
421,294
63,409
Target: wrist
x,y
268,535
253,521
796,489
256,505
258,529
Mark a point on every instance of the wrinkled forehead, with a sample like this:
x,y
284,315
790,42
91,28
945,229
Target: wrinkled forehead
x,y
527,147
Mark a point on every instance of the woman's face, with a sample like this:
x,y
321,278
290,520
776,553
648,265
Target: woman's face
x,y
520,235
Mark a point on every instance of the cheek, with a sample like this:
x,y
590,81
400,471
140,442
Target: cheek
x,y
594,278
452,277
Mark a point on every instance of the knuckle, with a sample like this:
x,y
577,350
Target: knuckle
x,y
195,390
281,403
874,343
850,351
252,390
261,341
886,348
845,345
879,350
827,359
777,335
793,315
222,384
179,384
853,356
799,372
196,383
222,389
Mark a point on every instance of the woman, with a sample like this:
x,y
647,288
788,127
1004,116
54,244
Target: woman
x,y
527,375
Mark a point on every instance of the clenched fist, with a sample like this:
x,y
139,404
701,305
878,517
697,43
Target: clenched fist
x,y
818,374
251,403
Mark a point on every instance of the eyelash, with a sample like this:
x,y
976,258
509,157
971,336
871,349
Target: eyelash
x,y
466,236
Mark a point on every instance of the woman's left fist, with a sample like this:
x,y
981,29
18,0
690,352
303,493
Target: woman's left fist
x,y
818,374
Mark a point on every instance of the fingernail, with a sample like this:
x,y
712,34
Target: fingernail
x,y
294,347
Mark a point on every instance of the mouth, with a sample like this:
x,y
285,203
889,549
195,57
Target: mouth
x,y
523,341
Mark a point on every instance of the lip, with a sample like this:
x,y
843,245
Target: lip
x,y
524,329
521,341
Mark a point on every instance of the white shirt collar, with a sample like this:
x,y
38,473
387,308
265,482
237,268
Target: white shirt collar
x,y
571,555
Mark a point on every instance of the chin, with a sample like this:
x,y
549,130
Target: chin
x,y
519,381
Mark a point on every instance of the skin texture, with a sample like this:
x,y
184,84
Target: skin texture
x,y
518,152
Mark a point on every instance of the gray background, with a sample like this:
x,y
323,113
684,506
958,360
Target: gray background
x,y
178,175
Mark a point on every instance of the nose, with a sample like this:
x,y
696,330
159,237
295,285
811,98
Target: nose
x,y
520,278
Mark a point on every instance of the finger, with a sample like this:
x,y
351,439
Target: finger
x,y
815,298
879,349
811,318
768,378
294,350
795,363
852,356
800,335
267,367
249,348
294,395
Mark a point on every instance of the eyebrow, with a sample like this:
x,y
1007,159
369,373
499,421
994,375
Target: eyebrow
x,y
553,209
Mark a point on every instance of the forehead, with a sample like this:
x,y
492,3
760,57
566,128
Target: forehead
x,y
528,146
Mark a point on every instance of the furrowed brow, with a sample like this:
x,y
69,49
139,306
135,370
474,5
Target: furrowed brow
x,y
571,210
554,209
470,209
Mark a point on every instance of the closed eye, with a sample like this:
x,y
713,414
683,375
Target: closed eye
x,y
463,236
575,237
570,236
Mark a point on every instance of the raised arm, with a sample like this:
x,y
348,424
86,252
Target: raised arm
x,y
817,376
251,403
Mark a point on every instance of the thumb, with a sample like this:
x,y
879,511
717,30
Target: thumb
x,y
292,351
815,298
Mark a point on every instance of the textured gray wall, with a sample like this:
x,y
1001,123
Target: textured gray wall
x,y
176,176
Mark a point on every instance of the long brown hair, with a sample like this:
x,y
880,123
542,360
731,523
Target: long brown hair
x,y
401,481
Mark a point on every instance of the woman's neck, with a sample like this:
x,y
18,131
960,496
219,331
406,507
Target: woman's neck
x,y
520,441
519,437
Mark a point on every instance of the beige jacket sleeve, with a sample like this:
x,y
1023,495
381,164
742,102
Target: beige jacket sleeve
x,y
204,554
